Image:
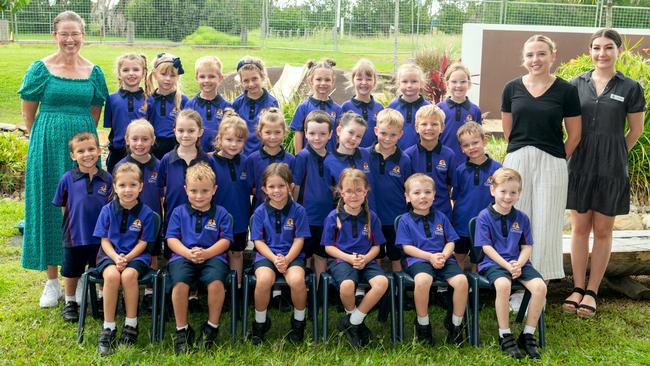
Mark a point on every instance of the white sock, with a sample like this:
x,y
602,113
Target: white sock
x,y
442,289
52,282
148,291
423,320
504,331
183,327
276,293
529,330
260,316
193,296
299,314
131,322
72,298
357,317
348,312
100,294
359,292
456,320
215,326
109,325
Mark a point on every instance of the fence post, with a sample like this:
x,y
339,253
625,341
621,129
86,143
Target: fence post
x,y
335,30
4,30
608,14
395,35
502,12
130,32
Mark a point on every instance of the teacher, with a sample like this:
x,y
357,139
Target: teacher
x,y
599,183
62,95
534,107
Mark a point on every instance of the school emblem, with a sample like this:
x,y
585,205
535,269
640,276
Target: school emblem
x,y
153,178
442,165
365,230
136,225
395,172
243,176
515,227
439,230
211,225
289,224
333,114
366,167
469,118
489,181
103,189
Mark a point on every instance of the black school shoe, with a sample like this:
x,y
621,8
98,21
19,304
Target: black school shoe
x,y
352,332
194,305
259,330
456,335
528,343
129,335
184,340
297,332
106,341
71,312
509,346
424,333
146,304
209,336
364,334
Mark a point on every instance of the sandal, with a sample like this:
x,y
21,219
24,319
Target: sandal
x,y
571,306
587,311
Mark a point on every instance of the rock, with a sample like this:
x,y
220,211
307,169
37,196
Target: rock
x,y
646,221
631,221
7,127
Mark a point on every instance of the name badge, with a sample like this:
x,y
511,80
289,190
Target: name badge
x,y
617,97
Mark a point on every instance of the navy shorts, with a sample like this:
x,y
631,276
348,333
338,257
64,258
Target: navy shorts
x,y
239,243
494,272
75,259
183,270
139,266
450,270
462,245
344,271
265,262
312,244
162,146
389,249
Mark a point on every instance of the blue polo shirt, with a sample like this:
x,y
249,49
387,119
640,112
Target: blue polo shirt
x,y
457,114
83,200
249,109
121,108
388,177
429,233
311,104
352,237
255,165
438,164
369,113
211,112
315,194
151,193
408,110
279,228
125,228
160,112
471,192
233,192
505,233
171,178
201,229
336,162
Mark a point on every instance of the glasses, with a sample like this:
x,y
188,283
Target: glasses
x,y
74,35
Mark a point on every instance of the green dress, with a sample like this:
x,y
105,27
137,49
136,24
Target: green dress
x,y
64,111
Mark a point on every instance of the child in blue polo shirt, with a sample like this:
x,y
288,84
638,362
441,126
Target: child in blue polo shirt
x,y
271,130
207,101
364,79
321,77
410,81
389,168
431,157
233,193
352,236
81,194
279,228
312,184
350,130
199,234
126,104
125,225
255,98
471,184
505,235
457,107
427,238
166,102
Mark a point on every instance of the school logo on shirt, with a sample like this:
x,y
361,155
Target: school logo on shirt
x,y
366,168
364,232
289,224
211,225
439,230
395,172
243,176
469,118
489,181
219,113
442,165
515,227
136,225
333,114
103,189
153,178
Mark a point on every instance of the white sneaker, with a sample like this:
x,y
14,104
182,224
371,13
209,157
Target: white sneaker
x,y
79,291
51,294
515,300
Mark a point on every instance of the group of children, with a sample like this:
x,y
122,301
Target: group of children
x,y
366,183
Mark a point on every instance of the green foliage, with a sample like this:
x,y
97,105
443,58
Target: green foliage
x,y
13,5
634,65
434,64
289,109
205,35
496,148
13,155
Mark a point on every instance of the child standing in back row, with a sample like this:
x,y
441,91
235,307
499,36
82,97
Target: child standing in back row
x,y
410,81
364,80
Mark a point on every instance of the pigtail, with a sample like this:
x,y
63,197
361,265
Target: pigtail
x,y
366,207
339,207
148,85
178,98
329,62
310,64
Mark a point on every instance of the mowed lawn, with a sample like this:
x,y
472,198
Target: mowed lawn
x,y
30,335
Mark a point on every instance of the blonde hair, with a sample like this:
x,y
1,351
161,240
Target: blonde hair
x,y
537,38
470,128
212,62
81,137
504,175
200,171
251,63
269,116
231,122
363,67
457,66
318,116
410,67
281,170
391,118
350,117
148,86
140,122
194,116
68,16
166,62
418,177
430,110
125,168
356,176
325,63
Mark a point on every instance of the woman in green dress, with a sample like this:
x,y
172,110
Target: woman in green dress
x,y
62,95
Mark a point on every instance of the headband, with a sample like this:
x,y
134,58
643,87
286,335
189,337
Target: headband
x,y
176,62
243,63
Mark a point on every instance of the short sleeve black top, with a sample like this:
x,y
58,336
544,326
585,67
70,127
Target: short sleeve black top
x,y
538,121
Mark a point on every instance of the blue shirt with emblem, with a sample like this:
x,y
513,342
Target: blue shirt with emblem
x,y
121,108
357,234
249,109
151,194
233,192
408,110
429,233
505,233
255,165
211,112
336,162
388,177
368,111
315,193
457,114
279,228
311,104
161,114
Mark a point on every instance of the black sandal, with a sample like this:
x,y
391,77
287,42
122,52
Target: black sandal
x,y
574,305
589,311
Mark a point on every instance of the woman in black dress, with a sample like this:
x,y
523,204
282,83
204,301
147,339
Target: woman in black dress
x,y
599,184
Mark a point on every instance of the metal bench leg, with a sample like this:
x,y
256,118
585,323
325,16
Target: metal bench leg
x,y
82,308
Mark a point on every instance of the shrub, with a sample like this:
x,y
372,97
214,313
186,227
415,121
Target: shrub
x,y
496,148
13,156
209,36
634,65
434,64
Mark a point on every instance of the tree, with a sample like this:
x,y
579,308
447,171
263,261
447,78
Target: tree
x,y
13,6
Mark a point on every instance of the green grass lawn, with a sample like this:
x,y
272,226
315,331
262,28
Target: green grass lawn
x,y
30,335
